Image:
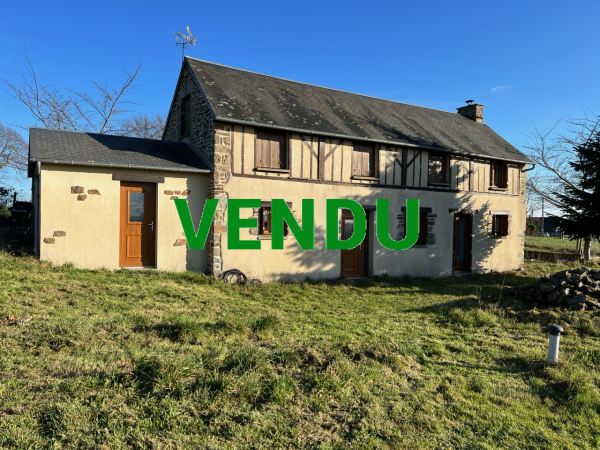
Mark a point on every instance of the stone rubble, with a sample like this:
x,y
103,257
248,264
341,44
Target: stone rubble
x,y
577,289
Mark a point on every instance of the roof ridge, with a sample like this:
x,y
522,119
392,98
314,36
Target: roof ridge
x,y
319,86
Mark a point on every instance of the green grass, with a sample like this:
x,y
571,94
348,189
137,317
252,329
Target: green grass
x,y
556,245
134,359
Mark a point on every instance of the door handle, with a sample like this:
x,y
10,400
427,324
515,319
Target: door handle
x,y
152,225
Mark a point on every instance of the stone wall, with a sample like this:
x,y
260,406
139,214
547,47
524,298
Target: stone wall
x,y
201,130
216,190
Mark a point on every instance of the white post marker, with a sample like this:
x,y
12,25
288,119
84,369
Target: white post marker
x,y
555,331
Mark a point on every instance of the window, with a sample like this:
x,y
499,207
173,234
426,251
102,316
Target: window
x,y
499,174
184,117
264,220
136,207
500,225
438,168
364,160
423,218
271,150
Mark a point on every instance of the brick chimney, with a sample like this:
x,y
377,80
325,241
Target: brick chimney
x,y
473,111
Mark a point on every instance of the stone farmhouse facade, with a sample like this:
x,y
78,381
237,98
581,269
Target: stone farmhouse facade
x,y
248,135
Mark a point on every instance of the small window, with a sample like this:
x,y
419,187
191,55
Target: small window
x,y
500,225
364,160
438,168
499,174
271,149
184,117
264,222
423,217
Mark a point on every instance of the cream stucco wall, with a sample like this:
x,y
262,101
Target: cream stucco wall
x,y
489,253
92,225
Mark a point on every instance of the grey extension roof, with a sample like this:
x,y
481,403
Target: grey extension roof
x,y
103,150
240,96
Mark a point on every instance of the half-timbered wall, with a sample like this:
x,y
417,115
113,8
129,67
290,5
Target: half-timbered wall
x,y
326,159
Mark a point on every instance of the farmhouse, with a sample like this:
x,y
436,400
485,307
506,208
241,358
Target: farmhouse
x,y
107,201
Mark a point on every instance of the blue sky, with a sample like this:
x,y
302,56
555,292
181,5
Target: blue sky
x,y
530,63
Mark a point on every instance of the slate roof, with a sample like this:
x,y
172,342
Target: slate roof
x,y
240,96
103,150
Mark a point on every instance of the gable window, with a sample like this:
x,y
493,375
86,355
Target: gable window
x,y
184,117
499,174
500,225
271,150
364,160
264,220
438,168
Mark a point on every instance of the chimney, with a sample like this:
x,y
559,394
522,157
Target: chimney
x,y
473,111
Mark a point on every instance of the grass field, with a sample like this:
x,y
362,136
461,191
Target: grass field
x,y
550,244
159,360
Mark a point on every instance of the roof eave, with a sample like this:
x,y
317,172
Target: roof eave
x,y
118,166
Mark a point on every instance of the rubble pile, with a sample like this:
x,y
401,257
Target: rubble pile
x,y
577,289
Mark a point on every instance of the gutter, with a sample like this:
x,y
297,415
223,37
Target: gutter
x,y
354,138
117,166
527,170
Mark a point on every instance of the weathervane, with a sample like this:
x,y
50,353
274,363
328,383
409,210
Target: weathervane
x,y
183,40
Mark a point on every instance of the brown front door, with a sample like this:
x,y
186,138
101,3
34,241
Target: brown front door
x,y
138,225
463,229
353,261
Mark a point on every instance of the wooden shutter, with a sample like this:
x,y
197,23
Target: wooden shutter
x,y
271,149
363,160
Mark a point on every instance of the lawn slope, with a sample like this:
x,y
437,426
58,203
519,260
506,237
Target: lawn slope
x,y
159,360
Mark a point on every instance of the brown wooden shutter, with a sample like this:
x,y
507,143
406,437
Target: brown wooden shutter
x,y
271,149
356,161
363,160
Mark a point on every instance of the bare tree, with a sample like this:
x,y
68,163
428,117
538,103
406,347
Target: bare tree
x,y
144,126
532,200
13,151
65,109
553,152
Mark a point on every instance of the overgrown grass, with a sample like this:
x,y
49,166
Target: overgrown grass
x,y
161,360
551,244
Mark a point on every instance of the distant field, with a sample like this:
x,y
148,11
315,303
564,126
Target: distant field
x,y
556,245
143,359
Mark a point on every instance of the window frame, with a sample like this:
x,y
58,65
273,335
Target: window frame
x,y
503,165
500,221
185,113
423,226
266,234
260,165
445,168
373,161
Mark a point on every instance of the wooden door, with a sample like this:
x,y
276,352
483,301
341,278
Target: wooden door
x,y
137,246
463,230
352,261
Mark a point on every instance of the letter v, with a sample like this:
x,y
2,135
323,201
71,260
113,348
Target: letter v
x,y
196,241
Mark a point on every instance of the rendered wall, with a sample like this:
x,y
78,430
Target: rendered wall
x,y
489,252
91,226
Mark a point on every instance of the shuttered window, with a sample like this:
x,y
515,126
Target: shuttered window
x,y
500,225
438,168
363,160
499,174
184,117
271,149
